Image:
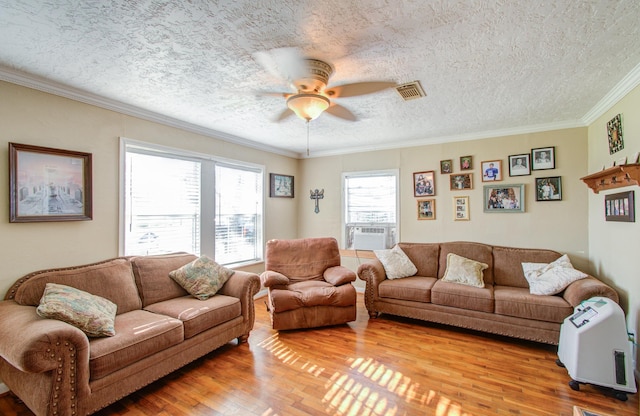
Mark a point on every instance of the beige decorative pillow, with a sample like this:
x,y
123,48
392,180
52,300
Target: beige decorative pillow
x,y
92,314
202,277
464,271
396,263
552,278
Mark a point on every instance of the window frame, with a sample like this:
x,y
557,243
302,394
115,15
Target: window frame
x,y
207,195
368,173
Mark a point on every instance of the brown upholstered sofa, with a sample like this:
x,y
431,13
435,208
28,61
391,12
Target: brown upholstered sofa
x,y
503,306
55,369
307,287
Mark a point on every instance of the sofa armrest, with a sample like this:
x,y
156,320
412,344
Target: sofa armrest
x,y
339,275
270,278
373,274
34,344
243,285
587,288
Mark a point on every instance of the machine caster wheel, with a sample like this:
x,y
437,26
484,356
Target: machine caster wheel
x,y
559,363
574,385
621,396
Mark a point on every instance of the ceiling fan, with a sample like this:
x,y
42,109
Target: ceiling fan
x,y
309,78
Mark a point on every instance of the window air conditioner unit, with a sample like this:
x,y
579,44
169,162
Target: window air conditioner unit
x,y
370,238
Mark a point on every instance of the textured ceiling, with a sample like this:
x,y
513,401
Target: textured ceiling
x,y
486,66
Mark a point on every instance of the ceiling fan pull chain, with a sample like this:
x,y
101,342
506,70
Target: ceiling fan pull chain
x,y
307,138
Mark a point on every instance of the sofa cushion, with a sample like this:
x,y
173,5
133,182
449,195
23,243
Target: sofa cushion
x,y
474,251
414,288
202,277
518,302
507,261
552,278
92,314
462,296
152,276
396,263
424,256
110,279
199,315
139,334
311,293
464,271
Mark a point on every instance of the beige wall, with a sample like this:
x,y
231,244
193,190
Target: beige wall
x,y
558,225
36,118
614,246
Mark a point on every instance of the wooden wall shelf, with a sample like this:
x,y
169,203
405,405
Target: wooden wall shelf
x,y
614,177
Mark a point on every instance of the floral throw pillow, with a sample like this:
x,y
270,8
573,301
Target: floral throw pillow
x,y
552,278
464,271
202,277
396,263
92,314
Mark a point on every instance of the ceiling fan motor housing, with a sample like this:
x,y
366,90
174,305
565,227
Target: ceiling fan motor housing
x,y
317,77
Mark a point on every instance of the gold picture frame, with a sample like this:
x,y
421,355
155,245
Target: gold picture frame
x,y
426,209
461,208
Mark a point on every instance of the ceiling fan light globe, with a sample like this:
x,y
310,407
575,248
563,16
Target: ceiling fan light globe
x,y
308,106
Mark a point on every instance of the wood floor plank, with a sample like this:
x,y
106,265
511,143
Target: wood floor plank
x,y
388,366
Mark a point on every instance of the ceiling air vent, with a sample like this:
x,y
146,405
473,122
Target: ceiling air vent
x,y
410,90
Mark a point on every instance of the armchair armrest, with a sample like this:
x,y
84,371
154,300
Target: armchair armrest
x,y
270,278
587,288
339,275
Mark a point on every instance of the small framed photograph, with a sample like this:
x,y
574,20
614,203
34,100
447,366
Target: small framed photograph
x,y
492,171
424,184
614,133
520,165
549,189
461,181
504,198
620,207
48,184
543,158
446,166
461,208
466,162
426,209
281,186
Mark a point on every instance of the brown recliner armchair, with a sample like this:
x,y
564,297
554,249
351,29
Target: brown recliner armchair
x,y
306,284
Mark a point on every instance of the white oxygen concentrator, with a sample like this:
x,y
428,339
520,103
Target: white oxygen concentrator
x,y
595,349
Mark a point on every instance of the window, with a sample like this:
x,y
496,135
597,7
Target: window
x,y
370,209
177,201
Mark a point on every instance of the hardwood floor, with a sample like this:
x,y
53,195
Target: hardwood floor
x,y
386,366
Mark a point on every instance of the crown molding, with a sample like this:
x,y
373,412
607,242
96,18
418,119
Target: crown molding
x,y
621,89
44,85
456,138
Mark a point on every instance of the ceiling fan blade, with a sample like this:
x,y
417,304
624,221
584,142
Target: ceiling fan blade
x,y
283,63
358,88
283,115
339,111
284,95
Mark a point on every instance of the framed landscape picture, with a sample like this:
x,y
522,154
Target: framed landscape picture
x,y
520,165
461,181
492,171
461,208
543,158
424,183
48,184
426,209
281,186
504,198
549,189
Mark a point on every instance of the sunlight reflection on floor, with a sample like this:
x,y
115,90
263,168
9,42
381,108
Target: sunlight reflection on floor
x,y
369,389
